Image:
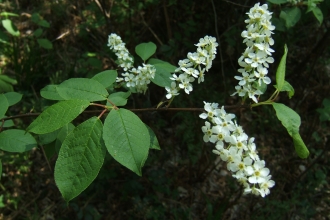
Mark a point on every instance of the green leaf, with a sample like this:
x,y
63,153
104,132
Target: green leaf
x,y
7,14
145,50
38,32
119,98
318,14
57,115
10,27
127,139
36,18
279,24
8,79
13,97
291,16
154,144
3,105
0,169
16,141
8,123
50,92
80,159
325,111
82,88
44,23
291,121
289,118
106,78
48,138
45,43
277,2
163,72
62,134
280,73
300,146
5,87
287,87
262,87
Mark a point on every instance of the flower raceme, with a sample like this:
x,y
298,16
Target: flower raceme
x,y
237,149
193,67
257,56
137,78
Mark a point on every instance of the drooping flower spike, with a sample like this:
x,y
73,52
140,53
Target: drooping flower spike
x,y
234,146
258,54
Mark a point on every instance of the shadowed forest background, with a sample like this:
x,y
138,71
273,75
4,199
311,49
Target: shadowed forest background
x,y
184,180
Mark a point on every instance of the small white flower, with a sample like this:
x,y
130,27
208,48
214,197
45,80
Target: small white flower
x,y
173,91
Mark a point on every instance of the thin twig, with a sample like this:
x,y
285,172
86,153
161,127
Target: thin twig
x,y
133,110
220,51
44,153
153,33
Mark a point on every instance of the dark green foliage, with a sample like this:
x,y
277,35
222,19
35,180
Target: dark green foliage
x,y
59,40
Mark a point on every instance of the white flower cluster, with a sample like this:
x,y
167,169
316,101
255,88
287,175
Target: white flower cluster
x,y
192,67
137,78
237,149
256,57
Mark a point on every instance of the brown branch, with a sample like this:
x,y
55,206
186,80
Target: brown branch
x,y
133,110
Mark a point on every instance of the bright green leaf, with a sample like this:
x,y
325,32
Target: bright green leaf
x,y
280,73
13,97
57,115
289,118
318,14
106,78
291,121
50,92
119,98
145,50
8,79
10,27
62,134
6,14
80,158
82,88
3,105
300,146
16,141
287,87
45,43
127,139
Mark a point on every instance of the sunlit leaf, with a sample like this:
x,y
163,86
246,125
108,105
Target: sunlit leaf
x,y
80,158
